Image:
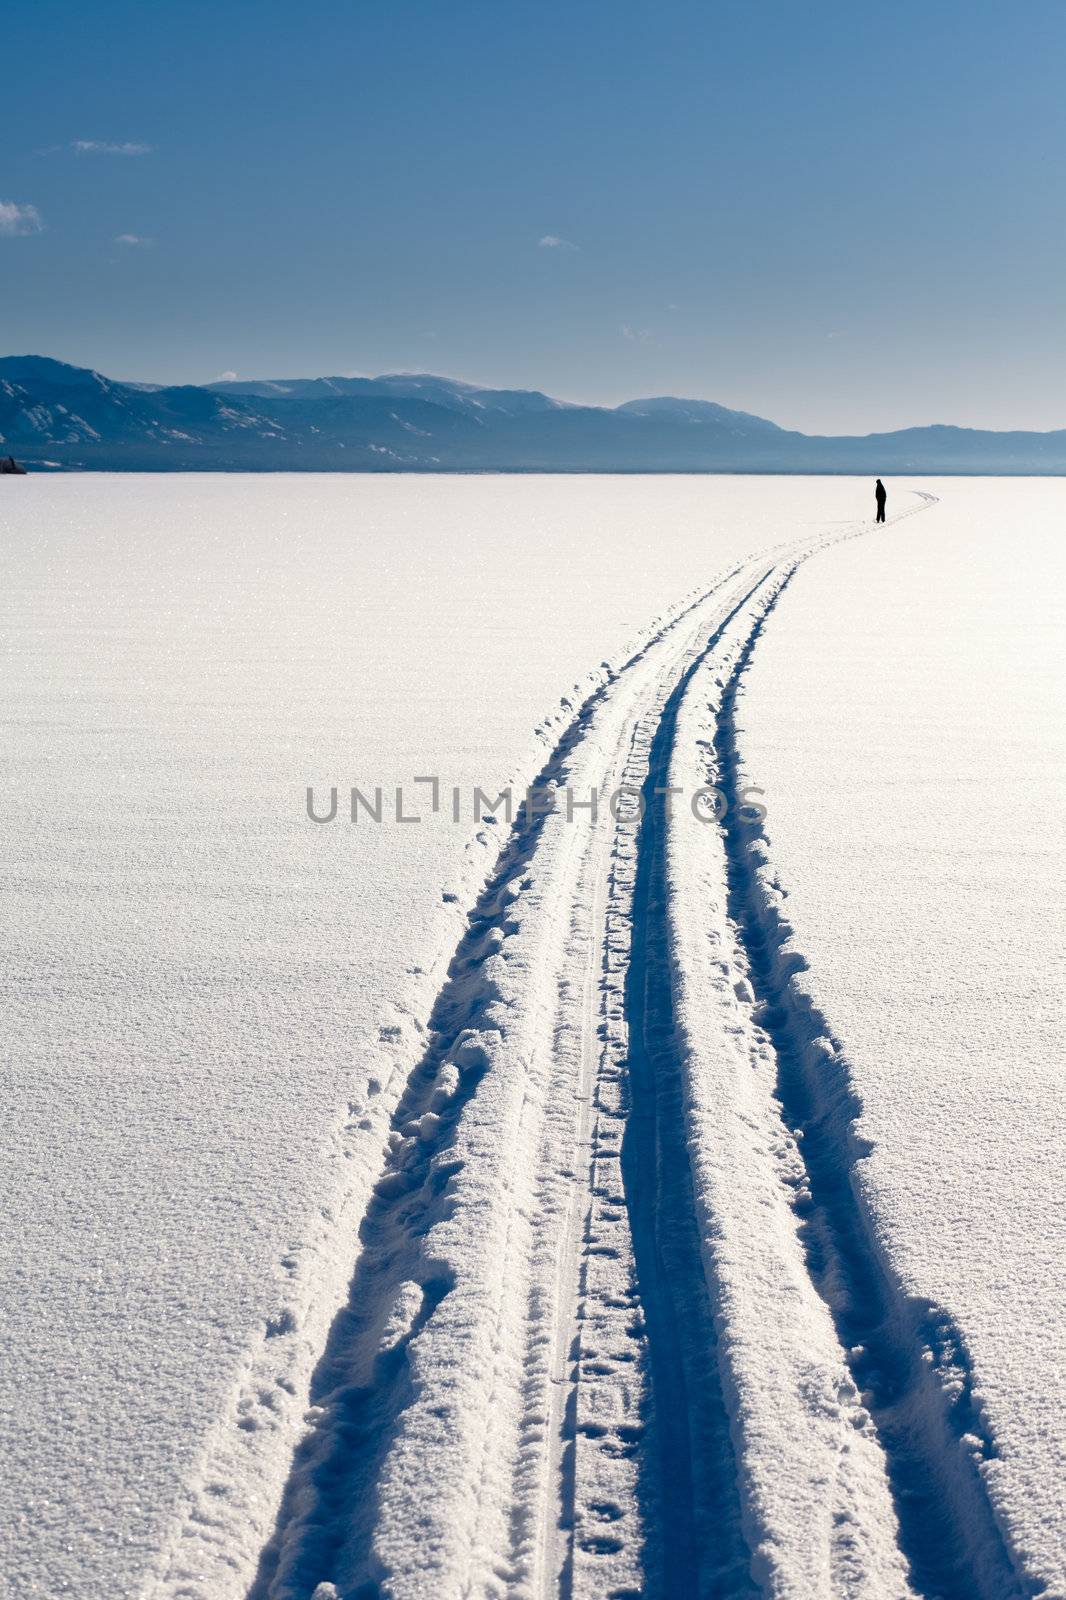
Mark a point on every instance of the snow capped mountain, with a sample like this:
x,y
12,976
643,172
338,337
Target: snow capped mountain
x,y
700,413
47,402
449,392
412,422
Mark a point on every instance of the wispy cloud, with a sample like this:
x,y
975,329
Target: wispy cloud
x,y
134,240
552,241
17,219
637,335
225,377
105,147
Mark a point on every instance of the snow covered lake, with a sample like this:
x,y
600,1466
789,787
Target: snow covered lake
x,y
340,1115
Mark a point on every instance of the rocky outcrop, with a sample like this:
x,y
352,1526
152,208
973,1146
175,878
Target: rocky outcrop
x,y
9,465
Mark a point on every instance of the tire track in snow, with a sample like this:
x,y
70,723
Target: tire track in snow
x,y
726,1230
906,1358
363,1383
686,1481
589,1270
224,1517
699,1548
334,1522
619,1420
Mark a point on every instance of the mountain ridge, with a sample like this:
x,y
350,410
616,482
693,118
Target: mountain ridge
x,y
55,416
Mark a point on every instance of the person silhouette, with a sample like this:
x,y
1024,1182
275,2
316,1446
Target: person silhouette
x,y
880,495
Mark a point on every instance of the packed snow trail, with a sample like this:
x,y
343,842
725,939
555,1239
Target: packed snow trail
x,y
602,1333
455,1217
946,1527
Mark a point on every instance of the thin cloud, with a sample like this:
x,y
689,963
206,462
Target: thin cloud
x,y
17,219
225,377
105,147
637,335
552,241
134,240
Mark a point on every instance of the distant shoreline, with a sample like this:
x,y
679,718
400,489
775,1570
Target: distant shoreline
x,y
55,417
40,469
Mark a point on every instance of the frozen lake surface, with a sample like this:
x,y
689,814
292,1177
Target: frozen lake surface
x,y
238,1071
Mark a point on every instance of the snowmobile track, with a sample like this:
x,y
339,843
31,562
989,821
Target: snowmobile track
x,y
363,1386
531,1391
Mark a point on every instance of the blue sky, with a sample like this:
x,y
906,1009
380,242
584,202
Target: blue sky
x,y
841,216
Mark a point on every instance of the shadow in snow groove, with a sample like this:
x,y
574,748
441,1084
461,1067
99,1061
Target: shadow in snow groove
x,y
906,1357
688,1469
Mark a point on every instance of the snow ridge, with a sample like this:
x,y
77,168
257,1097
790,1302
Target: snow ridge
x,y
365,1381
815,1511
906,1358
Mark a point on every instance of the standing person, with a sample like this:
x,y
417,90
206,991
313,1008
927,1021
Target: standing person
x,y
880,495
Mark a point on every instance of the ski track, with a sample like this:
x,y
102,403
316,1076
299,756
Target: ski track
x,y
540,1384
